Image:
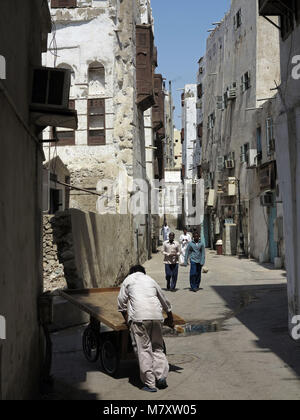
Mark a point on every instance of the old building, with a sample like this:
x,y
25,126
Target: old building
x,y
240,68
177,150
23,37
109,48
287,135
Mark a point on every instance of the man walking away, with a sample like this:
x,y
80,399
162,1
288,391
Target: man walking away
x,y
171,252
165,232
196,253
184,240
141,302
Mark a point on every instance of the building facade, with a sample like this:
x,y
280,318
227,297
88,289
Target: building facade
x,y
287,138
23,37
240,69
109,48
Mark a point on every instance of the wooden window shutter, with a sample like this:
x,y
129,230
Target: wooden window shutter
x,y
96,114
200,130
200,91
63,3
182,135
145,66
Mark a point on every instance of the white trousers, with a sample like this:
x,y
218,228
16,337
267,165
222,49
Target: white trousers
x,y
147,341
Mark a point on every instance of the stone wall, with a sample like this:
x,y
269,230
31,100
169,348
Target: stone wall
x,y
93,250
54,277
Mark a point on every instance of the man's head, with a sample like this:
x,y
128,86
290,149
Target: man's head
x,y
196,236
185,230
137,269
172,237
166,224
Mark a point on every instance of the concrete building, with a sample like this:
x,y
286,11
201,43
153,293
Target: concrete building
x,y
109,48
23,37
240,68
287,137
169,124
177,150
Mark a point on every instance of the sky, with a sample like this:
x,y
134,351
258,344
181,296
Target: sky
x,y
180,29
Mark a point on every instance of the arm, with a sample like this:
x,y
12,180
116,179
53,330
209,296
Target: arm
x,y
202,254
187,254
122,302
169,321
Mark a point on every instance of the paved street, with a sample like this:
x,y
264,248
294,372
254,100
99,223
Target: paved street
x,y
238,347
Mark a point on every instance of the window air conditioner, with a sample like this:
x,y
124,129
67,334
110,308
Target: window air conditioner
x,y
252,158
266,199
231,94
50,88
229,164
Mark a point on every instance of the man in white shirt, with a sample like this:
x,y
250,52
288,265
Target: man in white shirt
x,y
171,256
165,232
184,240
141,301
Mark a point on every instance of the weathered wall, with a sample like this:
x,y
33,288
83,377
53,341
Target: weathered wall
x,y
104,32
53,269
87,243
231,52
20,205
288,159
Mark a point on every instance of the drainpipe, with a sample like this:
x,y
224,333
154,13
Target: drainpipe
x,y
242,252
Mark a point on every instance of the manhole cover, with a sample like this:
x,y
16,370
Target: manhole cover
x,y
181,359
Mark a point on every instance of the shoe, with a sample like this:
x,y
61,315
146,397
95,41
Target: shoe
x,y
162,383
194,290
147,389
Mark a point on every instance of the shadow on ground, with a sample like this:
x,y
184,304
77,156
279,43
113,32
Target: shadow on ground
x,y
264,311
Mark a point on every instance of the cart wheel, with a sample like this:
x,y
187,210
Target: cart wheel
x,y
109,358
164,347
91,345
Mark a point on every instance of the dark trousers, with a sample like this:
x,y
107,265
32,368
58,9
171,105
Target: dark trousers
x,y
195,275
171,275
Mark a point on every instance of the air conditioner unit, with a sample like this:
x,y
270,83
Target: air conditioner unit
x,y
229,164
252,158
232,184
232,94
267,199
50,88
211,198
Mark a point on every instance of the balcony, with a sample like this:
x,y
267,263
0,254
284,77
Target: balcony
x,y
274,7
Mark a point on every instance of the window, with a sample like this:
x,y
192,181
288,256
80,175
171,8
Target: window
x,y
200,91
270,136
244,153
200,131
211,121
63,3
64,136
96,122
259,144
238,19
246,81
96,79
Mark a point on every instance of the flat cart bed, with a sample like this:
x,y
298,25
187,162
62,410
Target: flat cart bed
x,y
111,347
101,304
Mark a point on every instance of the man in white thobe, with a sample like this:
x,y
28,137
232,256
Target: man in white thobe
x,y
141,301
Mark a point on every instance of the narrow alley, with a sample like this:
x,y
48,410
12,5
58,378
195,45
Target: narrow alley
x,y
238,347
144,144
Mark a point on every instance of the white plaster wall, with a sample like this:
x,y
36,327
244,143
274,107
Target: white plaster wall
x,y
190,128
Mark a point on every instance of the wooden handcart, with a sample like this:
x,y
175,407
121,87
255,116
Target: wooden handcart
x,y
112,344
